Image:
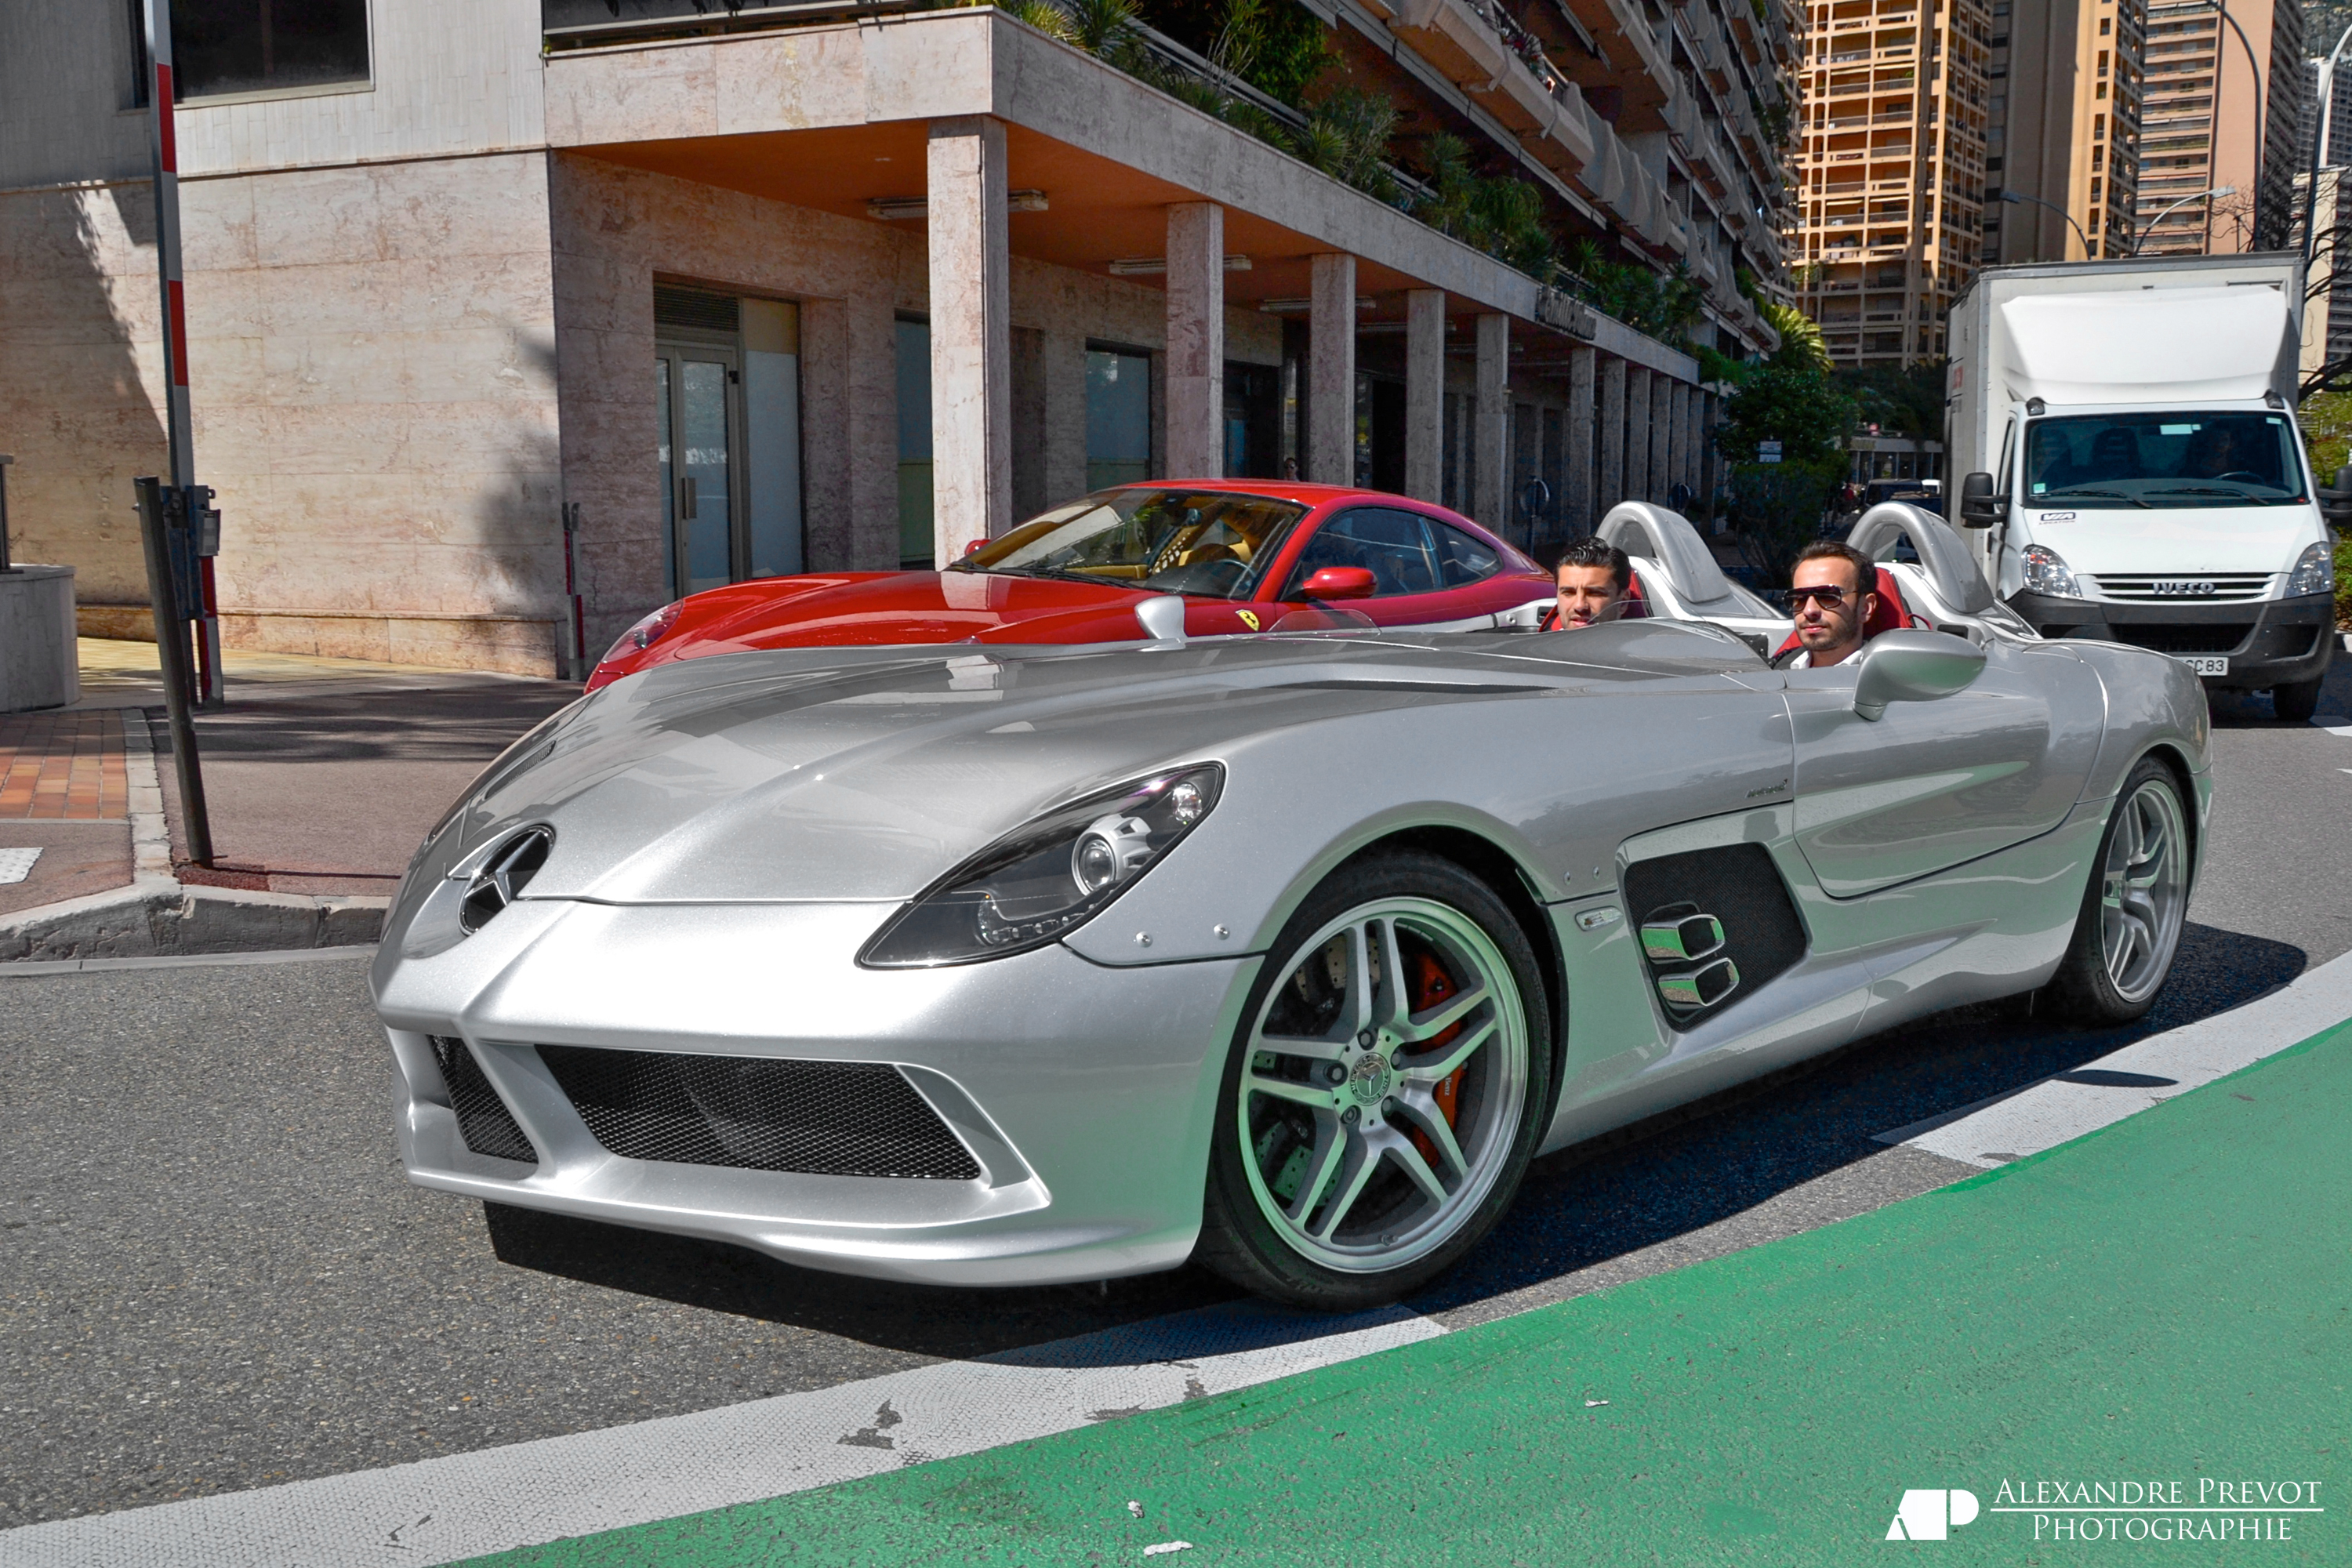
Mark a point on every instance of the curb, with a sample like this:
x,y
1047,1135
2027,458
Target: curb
x,y
162,918
158,916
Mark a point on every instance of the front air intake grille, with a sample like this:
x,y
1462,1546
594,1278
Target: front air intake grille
x,y
483,1118
2183,636
758,1113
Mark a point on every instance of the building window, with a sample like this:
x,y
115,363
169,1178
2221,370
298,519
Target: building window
x,y
222,48
1119,417
916,539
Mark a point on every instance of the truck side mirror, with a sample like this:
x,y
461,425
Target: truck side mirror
x,y
1980,508
2336,502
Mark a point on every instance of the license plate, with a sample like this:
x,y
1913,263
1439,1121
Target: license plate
x,y
2205,664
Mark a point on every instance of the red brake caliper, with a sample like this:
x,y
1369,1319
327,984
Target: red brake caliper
x,y
1432,985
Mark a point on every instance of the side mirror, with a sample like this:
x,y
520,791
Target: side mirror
x,y
1162,619
1341,582
1980,508
2336,502
1913,667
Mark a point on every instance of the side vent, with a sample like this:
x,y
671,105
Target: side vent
x,y
1719,925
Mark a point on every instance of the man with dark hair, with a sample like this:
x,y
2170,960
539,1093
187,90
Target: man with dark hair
x,y
1831,594
1592,577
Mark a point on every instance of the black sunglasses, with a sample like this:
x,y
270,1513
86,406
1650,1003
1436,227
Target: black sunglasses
x,y
1829,594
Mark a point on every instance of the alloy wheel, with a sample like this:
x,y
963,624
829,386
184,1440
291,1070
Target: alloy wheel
x,y
2143,893
1385,1083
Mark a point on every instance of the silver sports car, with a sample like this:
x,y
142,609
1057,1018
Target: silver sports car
x,y
1286,953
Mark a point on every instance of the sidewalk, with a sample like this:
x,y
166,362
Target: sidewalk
x,y
2163,1301
321,776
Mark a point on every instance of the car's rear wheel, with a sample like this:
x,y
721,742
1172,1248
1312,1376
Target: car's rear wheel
x,y
2128,932
1384,1091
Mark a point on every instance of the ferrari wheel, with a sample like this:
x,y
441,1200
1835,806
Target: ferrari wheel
x,y
2129,929
1385,1091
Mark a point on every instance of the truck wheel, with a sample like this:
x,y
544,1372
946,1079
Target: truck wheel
x,y
2129,928
2298,700
1384,1092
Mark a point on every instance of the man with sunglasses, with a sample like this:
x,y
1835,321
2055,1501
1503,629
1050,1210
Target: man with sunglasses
x,y
1831,606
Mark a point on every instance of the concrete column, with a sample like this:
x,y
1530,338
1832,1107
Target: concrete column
x,y
1196,340
1613,438
972,339
1491,422
1637,433
1331,377
1576,489
1662,426
1677,410
1424,394
1695,447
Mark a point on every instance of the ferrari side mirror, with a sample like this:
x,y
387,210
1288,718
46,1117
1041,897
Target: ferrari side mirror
x,y
1341,582
1913,667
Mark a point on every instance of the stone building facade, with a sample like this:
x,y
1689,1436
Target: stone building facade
x,y
472,316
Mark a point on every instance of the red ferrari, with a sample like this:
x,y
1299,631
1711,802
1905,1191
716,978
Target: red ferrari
x,y
1242,553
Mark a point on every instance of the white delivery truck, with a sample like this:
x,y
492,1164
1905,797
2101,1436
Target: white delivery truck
x,y
2132,468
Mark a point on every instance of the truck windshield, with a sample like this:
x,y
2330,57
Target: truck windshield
x,y
2163,459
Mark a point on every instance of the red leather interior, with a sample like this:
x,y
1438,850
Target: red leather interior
x,y
1891,615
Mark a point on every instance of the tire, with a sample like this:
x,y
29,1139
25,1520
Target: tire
x,y
2297,701
2128,932
1345,1171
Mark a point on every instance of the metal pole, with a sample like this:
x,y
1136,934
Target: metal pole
x,y
2319,141
179,423
2261,132
5,565
171,646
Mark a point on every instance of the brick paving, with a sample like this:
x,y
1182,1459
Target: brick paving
x,y
63,766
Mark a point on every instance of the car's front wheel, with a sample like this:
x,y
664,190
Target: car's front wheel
x,y
1385,1089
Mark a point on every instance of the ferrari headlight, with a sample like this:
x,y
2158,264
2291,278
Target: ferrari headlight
x,y
1049,878
2046,573
644,635
2314,573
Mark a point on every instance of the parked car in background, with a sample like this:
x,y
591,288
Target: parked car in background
x,y
1242,555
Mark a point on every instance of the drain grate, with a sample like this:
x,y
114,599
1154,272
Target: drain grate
x,y
483,1118
758,1113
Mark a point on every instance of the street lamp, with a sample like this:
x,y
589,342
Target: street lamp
x,y
2009,195
2141,238
2319,142
2261,131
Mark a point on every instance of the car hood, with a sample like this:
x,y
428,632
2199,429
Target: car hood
x,y
898,608
868,774
2168,543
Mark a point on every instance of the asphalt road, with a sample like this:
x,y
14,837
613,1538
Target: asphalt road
x,y
216,1277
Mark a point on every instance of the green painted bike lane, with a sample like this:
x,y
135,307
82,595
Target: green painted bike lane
x,y
2166,1302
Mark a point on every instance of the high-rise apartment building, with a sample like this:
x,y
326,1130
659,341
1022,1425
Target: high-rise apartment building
x,y
2223,109
2066,82
1895,105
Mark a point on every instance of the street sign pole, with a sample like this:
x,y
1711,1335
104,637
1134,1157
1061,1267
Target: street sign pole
x,y
179,423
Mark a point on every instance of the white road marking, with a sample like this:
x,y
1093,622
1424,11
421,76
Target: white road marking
x,y
531,1493
2146,1072
16,865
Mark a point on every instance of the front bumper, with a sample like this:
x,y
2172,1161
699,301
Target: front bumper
x,y
1082,1094
2269,642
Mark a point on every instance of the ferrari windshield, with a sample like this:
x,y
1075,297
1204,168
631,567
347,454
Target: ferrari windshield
x,y
1213,543
2163,459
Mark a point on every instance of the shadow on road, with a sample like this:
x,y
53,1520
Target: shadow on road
x,y
1657,1182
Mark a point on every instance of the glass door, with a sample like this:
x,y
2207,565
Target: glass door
x,y
701,413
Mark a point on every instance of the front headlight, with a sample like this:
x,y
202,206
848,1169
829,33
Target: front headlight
x,y
2314,571
2046,573
1048,878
